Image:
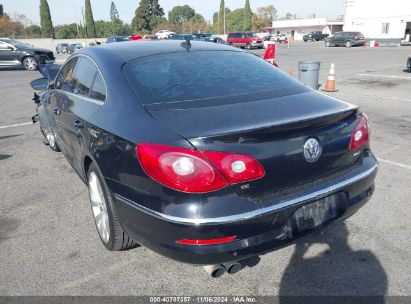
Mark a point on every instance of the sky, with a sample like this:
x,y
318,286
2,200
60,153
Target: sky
x,y
68,11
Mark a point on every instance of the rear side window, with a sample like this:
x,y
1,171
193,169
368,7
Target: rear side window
x,y
216,77
84,76
98,90
65,77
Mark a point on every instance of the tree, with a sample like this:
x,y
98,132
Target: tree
x,y
90,26
221,17
267,13
112,28
32,31
67,31
289,16
263,17
149,14
47,29
195,24
235,21
179,14
247,16
114,12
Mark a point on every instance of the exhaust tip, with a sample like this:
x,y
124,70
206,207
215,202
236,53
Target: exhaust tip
x,y
233,268
215,271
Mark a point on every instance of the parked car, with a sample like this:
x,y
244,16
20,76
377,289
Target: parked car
x,y
246,40
117,39
282,38
214,39
347,39
164,34
74,47
202,36
269,38
207,157
136,37
409,63
150,37
181,37
15,53
61,48
315,36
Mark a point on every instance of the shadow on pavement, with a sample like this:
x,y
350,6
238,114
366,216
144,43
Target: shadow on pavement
x,y
336,271
7,226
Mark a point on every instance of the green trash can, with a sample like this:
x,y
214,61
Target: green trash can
x,y
308,72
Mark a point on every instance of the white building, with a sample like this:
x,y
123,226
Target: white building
x,y
387,22
297,28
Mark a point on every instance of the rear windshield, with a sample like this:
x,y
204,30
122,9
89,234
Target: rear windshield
x,y
217,77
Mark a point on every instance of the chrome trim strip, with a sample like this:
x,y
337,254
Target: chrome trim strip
x,y
250,214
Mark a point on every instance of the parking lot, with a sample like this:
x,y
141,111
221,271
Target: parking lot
x,y
49,244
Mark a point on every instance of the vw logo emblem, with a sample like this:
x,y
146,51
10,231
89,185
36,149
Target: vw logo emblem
x,y
312,150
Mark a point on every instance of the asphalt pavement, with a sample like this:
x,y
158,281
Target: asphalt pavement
x,y
49,244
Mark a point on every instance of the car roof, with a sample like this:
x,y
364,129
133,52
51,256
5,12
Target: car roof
x,y
130,50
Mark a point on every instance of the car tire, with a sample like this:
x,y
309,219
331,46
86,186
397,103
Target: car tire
x,y
248,46
50,138
327,44
105,216
348,44
30,63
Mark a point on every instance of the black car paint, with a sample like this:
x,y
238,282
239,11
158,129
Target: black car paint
x,y
272,131
15,55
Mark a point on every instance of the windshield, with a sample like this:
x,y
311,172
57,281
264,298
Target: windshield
x,y
203,75
19,44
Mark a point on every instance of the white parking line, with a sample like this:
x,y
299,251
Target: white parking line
x,y
394,98
394,163
16,125
388,76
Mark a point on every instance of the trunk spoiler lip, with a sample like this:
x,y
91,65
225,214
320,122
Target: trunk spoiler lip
x,y
353,109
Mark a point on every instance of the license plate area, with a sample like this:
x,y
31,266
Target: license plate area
x,y
317,213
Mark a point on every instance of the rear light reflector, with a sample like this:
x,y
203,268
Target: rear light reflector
x,y
360,136
194,171
208,242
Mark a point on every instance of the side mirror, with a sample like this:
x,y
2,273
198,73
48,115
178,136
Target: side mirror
x,y
40,84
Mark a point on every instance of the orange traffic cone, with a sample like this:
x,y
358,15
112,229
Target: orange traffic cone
x,y
269,54
330,84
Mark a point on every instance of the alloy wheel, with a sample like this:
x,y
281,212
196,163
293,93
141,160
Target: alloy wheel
x,y
30,64
99,207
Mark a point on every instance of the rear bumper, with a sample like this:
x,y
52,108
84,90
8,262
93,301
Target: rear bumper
x,y
257,232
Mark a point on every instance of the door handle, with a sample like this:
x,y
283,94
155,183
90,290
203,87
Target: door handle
x,y
57,112
78,124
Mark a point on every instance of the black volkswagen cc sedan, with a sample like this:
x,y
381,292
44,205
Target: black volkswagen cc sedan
x,y
202,152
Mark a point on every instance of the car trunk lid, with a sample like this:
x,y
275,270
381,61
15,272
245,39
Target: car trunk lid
x,y
273,131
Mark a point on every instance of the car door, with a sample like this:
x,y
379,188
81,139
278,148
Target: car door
x,y
243,40
58,101
337,39
77,106
8,55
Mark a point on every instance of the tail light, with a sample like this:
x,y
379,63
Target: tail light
x,y
360,135
193,171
